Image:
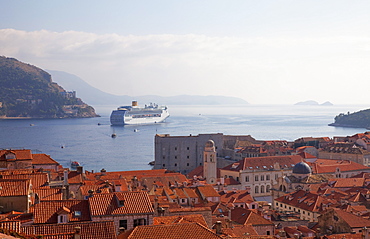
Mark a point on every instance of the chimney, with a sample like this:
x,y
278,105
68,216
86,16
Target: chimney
x,y
77,233
64,193
65,177
218,227
103,172
79,169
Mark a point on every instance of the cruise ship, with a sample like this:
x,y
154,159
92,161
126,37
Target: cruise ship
x,y
133,114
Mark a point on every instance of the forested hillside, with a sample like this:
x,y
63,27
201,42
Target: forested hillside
x,y
28,91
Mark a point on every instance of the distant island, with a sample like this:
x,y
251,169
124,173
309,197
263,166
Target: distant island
x,y
28,92
312,102
94,96
360,119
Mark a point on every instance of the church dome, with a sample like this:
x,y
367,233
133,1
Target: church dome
x,y
302,168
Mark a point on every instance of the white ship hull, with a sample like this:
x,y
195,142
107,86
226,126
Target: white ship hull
x,y
133,115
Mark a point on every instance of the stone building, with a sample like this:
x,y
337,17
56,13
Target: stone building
x,y
185,153
345,151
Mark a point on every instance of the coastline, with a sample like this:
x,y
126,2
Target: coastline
x,y
347,126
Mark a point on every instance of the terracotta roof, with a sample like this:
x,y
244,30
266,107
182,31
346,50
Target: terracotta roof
x,y
207,191
89,230
190,192
47,211
347,148
20,154
11,225
346,182
245,216
261,163
108,204
352,220
96,189
308,201
38,179
236,196
14,187
240,231
49,193
43,159
322,166
74,177
198,218
171,231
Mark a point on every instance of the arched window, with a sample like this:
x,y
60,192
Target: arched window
x,y
256,189
268,188
262,189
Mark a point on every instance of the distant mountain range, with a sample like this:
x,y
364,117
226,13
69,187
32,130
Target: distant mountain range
x,y
94,96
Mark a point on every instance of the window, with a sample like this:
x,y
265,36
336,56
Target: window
x,y
139,221
175,157
267,177
187,164
268,188
276,176
188,157
175,148
262,177
62,218
247,178
123,223
262,189
164,157
256,189
256,178
175,164
268,233
237,179
163,165
187,148
77,214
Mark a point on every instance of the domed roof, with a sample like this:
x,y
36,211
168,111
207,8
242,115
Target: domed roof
x,y
302,168
210,143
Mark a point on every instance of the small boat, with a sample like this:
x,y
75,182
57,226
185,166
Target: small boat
x,y
136,130
113,135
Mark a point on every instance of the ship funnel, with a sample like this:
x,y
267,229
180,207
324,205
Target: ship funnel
x,y
134,103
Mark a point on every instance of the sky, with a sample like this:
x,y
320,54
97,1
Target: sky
x,y
265,52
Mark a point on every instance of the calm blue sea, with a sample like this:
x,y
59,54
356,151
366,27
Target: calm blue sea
x,y
85,141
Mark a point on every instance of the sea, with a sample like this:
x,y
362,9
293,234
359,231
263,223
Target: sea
x,y
89,140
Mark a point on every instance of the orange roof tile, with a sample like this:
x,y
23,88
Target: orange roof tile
x,y
49,193
38,179
198,218
171,231
246,216
207,191
108,204
89,230
43,159
20,154
47,211
14,187
286,161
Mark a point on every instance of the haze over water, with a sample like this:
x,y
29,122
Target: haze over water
x,y
85,141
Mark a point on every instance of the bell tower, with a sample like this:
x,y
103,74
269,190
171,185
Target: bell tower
x,y
210,162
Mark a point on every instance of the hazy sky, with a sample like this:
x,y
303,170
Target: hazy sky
x,y
262,51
